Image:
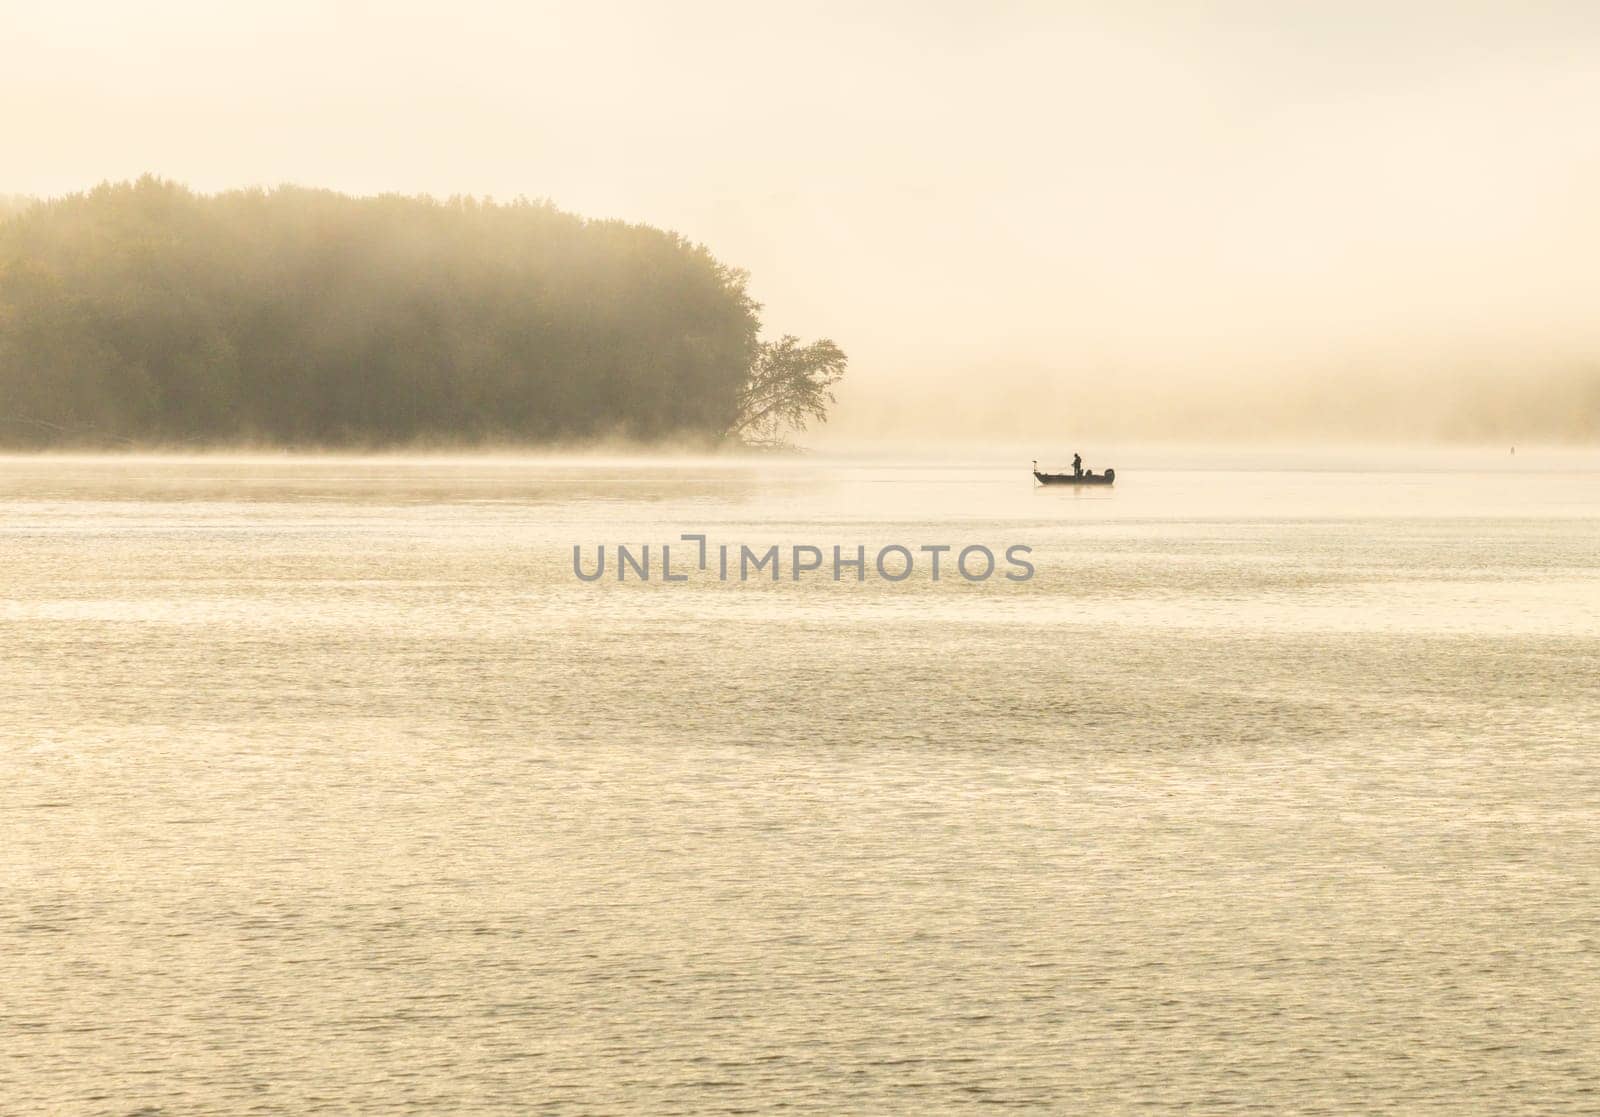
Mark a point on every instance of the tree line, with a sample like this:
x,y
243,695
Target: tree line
x,y
144,312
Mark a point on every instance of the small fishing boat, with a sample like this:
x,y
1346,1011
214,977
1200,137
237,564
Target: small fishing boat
x,y
1087,477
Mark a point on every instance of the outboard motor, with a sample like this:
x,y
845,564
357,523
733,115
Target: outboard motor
x,y
1111,475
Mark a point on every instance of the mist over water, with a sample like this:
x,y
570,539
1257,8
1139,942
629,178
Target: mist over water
x,y
1216,220
330,787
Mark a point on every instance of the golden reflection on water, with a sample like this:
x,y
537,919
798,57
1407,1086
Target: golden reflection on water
x,y
328,786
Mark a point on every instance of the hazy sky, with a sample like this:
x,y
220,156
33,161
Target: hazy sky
x,y
986,204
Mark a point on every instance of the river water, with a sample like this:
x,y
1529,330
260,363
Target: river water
x,y
330,788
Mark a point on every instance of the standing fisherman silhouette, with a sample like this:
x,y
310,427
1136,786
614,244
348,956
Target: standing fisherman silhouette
x,y
1077,464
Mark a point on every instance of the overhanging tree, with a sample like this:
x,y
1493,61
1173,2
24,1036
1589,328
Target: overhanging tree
x,y
790,384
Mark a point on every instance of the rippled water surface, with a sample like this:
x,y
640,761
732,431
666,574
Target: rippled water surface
x,y
329,788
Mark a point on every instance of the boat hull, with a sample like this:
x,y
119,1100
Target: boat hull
x,y
1109,477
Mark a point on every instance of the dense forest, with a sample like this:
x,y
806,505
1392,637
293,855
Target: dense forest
x,y
146,313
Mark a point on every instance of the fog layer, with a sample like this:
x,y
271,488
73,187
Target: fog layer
x,y
1239,219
